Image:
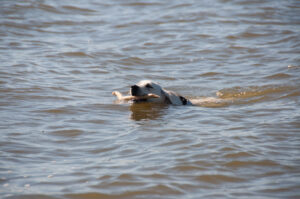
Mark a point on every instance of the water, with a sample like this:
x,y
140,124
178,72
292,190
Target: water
x,y
63,135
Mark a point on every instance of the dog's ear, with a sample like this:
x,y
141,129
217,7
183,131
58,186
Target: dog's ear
x,y
183,100
167,99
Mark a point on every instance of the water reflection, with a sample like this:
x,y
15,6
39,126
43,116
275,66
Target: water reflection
x,y
147,111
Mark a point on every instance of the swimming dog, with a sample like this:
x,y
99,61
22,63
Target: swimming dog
x,y
148,91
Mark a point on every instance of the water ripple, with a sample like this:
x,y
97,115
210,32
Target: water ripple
x,y
64,136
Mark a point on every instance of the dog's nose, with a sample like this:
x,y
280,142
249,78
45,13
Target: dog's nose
x,y
134,90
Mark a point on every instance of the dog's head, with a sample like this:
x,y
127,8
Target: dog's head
x,y
146,87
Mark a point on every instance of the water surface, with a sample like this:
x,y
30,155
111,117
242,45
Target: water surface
x,y
63,135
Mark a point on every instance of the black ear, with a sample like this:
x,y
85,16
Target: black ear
x,y
167,99
183,100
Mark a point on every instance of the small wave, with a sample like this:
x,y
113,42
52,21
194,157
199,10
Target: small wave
x,y
283,40
212,102
132,61
253,35
142,4
156,191
75,54
58,111
209,74
279,76
251,91
49,8
245,164
24,26
238,155
68,132
244,95
217,179
73,8
187,168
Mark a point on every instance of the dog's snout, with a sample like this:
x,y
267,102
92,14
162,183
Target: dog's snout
x,y
134,90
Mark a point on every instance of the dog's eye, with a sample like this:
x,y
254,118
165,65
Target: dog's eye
x,y
148,86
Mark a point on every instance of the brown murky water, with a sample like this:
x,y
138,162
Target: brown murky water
x,y
64,136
